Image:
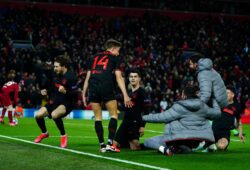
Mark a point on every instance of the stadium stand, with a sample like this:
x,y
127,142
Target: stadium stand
x,y
156,42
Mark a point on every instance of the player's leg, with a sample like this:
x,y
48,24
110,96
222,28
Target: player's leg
x,y
134,144
3,114
10,115
133,135
7,103
120,136
158,143
154,142
98,125
39,116
222,144
112,108
57,116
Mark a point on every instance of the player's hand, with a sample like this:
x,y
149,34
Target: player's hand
x,y
84,99
44,92
127,102
242,138
61,89
141,131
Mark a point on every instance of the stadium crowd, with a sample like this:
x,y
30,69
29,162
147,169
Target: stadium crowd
x,y
155,45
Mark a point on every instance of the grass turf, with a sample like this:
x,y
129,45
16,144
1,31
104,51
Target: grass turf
x,y
19,155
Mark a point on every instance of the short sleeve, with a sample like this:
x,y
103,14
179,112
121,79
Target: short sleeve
x,y
117,63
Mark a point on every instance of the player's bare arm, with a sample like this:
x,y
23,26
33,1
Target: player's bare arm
x,y
85,87
121,84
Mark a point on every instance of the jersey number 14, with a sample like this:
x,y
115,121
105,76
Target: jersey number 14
x,y
101,61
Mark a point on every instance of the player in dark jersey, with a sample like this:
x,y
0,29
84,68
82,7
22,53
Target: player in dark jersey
x,y
62,95
222,126
103,70
132,126
9,98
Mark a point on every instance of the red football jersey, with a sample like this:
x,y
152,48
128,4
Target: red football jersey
x,y
10,93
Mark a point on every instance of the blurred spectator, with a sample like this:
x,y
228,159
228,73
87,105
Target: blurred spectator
x,y
163,104
247,109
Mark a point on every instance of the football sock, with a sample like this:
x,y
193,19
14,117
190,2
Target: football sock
x,y
41,124
60,125
102,145
3,112
112,129
99,131
10,116
162,149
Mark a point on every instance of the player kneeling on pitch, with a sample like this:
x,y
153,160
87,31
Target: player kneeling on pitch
x,y
186,124
132,126
63,95
222,126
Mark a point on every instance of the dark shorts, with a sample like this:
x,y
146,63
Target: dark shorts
x,y
222,133
126,132
52,105
101,93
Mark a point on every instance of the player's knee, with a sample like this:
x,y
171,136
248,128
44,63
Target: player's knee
x,y
114,116
54,115
39,115
222,144
134,148
134,145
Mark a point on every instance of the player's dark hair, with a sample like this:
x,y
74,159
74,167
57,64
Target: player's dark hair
x,y
191,91
63,61
232,89
196,57
112,43
135,71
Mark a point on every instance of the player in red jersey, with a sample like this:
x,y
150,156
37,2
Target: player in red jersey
x,y
9,97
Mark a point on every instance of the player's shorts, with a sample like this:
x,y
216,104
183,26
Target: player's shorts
x,y
221,133
1,104
128,130
52,105
99,93
6,100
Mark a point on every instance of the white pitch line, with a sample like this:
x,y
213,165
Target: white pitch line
x,y
87,154
154,131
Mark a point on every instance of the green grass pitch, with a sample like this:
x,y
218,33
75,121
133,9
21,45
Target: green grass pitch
x,y
20,155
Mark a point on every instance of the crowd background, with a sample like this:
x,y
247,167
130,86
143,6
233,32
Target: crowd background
x,y
218,6
156,45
